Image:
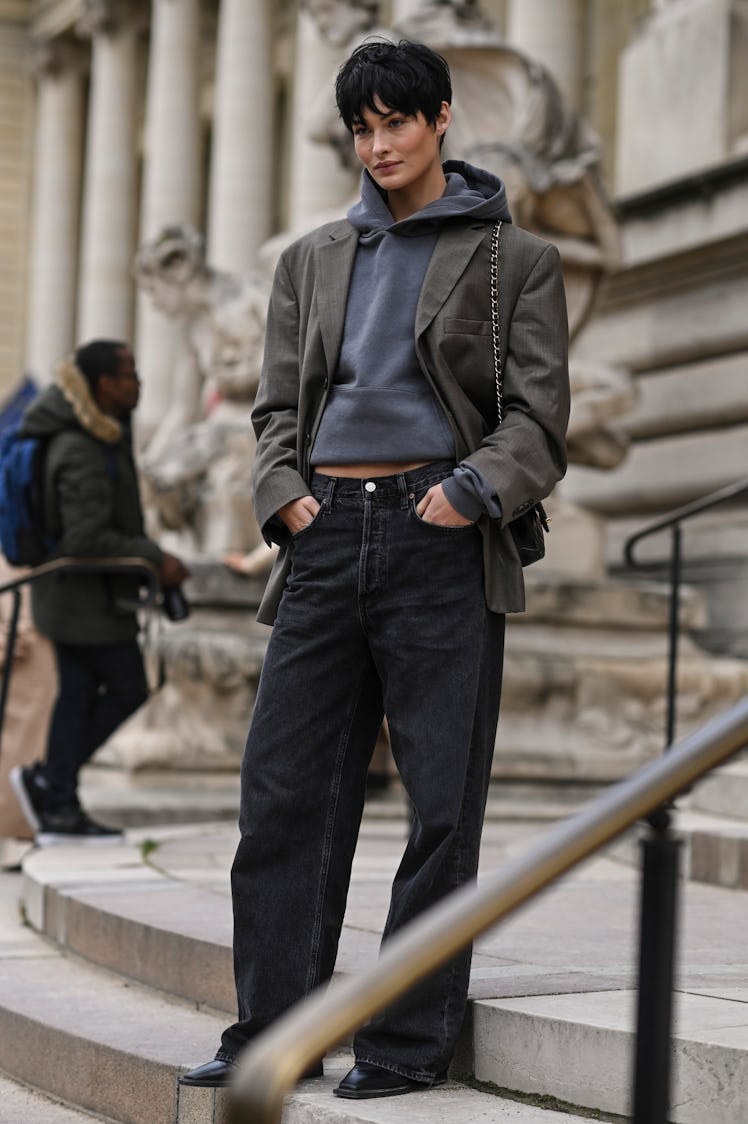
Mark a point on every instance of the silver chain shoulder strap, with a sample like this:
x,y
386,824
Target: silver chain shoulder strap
x,y
495,325
528,540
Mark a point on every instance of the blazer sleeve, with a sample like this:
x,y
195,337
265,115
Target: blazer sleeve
x,y
525,456
275,416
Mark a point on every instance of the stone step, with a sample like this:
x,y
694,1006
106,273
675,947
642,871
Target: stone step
x,y
129,799
145,911
724,792
19,1104
715,849
580,1046
551,1014
536,801
589,603
115,909
115,1049
135,798
453,1103
94,1040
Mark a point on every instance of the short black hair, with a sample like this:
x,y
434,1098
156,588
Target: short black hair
x,y
97,358
407,77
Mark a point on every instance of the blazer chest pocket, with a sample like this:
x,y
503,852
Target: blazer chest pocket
x,y
467,327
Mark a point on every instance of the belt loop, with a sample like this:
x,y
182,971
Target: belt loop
x,y
329,492
402,486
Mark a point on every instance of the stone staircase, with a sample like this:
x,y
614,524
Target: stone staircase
x,y
712,822
117,976
718,827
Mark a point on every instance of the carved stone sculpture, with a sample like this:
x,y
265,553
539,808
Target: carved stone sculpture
x,y
197,464
341,21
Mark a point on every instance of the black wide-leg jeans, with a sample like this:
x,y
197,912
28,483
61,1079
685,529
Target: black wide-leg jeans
x,y
382,614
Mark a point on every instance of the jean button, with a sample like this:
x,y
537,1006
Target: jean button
x,y
370,486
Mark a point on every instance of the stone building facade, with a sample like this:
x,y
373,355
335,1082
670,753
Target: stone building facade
x,y
120,116
117,116
675,312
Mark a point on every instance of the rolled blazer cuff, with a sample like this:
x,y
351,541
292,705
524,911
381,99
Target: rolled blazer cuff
x,y
285,486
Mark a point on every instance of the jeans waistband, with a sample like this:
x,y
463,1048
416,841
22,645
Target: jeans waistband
x,y
392,489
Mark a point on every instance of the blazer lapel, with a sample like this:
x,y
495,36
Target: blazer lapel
x,y
453,251
334,264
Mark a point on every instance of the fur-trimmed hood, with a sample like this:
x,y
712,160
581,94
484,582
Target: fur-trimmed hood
x,y
69,404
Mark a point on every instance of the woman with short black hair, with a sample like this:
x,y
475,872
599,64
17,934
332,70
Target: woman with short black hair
x,y
388,473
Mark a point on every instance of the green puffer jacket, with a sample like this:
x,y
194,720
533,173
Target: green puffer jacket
x,y
92,509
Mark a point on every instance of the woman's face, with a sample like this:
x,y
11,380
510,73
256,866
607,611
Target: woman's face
x,y
401,153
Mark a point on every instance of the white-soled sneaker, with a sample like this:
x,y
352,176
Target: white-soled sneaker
x,y
29,792
72,825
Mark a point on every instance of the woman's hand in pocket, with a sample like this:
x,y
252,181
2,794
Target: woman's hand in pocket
x,y
299,513
436,508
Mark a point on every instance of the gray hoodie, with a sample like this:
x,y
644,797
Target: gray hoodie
x,y
380,407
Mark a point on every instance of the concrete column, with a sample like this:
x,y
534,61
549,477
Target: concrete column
x,y
17,124
171,178
403,9
241,174
683,92
317,180
55,203
552,34
105,301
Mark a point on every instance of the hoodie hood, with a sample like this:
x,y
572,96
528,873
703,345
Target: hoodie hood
x,y
470,193
69,404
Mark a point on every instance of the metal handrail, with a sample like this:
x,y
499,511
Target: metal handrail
x,y
281,1054
137,566
673,521
126,564
679,515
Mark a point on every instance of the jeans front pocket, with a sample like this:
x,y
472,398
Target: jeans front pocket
x,y
441,528
312,523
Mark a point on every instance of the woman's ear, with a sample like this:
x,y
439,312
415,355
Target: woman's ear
x,y
443,119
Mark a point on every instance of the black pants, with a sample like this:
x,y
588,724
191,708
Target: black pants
x,y
99,686
382,613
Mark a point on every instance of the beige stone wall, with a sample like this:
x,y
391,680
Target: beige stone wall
x,y
608,29
16,123
674,312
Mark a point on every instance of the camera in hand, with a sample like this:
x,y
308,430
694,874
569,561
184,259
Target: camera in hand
x,y
175,605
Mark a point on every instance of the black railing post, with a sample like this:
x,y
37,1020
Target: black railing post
x,y
673,521
660,856
676,555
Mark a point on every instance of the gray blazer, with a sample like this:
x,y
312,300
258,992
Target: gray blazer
x,y
522,459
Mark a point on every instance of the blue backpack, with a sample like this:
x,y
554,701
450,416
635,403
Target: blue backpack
x,y
23,538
